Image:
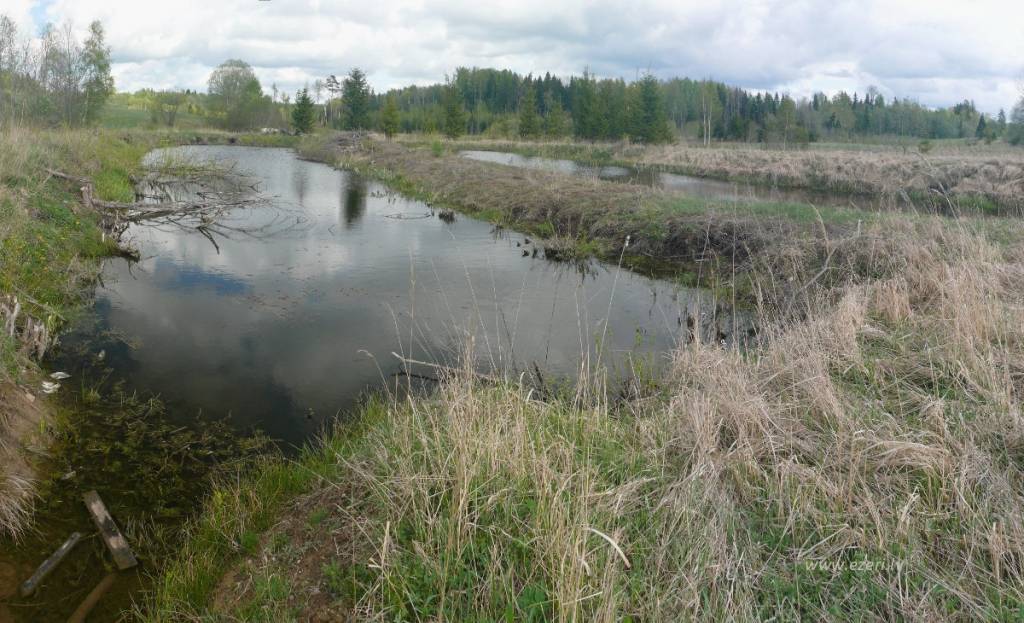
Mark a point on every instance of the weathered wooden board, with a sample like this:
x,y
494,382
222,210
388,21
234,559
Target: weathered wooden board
x,y
93,598
30,585
124,558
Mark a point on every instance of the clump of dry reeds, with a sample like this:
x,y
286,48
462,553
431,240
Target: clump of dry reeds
x,y
863,463
893,174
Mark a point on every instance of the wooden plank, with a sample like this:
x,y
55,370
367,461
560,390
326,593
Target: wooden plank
x,y
30,585
116,543
93,598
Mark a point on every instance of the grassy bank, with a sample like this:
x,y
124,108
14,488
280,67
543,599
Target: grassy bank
x,y
979,178
50,247
865,464
49,253
864,460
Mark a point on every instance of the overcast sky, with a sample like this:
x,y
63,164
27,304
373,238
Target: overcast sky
x,y
935,51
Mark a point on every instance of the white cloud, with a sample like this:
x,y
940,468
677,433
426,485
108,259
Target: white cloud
x,y
936,51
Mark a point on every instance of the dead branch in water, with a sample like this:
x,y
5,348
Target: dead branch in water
x,y
185,203
143,210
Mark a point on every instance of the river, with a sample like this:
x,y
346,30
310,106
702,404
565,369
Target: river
x,y
286,319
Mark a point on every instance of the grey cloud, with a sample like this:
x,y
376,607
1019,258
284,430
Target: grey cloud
x,y
919,49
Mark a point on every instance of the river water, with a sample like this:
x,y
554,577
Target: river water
x,y
699,187
292,317
279,317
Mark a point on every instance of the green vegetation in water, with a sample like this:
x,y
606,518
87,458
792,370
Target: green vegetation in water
x,y
150,468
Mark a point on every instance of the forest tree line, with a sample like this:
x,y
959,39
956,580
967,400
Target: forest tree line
x,y
504,104
494,100
61,80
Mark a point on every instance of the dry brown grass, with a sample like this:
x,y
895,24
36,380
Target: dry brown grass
x,y
887,172
19,420
997,176
665,229
863,463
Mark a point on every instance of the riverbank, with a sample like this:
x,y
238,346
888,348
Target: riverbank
x,y
50,248
978,178
762,255
93,433
864,459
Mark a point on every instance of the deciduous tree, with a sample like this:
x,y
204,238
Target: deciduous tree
x,y
97,83
236,97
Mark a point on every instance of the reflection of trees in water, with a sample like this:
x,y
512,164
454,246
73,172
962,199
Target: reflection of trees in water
x,y
300,180
354,200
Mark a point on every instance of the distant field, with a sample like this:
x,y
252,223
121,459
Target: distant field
x,y
120,116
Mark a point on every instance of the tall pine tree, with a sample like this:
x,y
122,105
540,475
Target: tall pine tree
x,y
586,112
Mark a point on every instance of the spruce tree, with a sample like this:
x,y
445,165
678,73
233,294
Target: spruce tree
x,y
355,97
302,113
651,121
586,111
556,122
454,114
529,120
389,119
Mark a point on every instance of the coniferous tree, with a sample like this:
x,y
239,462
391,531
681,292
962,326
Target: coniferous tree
x,y
355,98
979,131
586,115
616,109
556,121
651,122
454,113
1015,129
529,120
302,114
389,117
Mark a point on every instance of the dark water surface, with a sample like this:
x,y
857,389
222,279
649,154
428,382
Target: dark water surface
x,y
700,187
293,317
